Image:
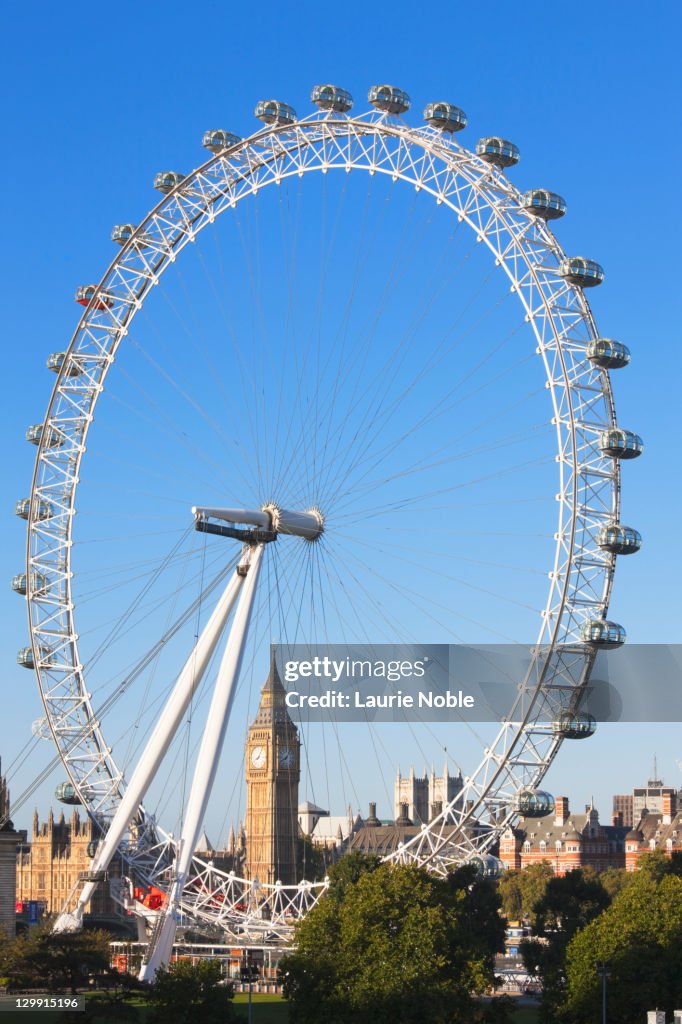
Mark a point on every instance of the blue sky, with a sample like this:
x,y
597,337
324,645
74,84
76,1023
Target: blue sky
x,y
100,103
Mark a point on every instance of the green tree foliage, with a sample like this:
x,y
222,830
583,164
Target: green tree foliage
x,y
521,891
640,936
55,962
394,945
188,993
570,902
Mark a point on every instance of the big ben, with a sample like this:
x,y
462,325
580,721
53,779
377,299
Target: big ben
x,y
272,776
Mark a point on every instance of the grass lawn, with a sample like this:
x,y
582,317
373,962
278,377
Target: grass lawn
x,y
266,1009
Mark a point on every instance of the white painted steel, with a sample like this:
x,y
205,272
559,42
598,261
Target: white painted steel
x,y
205,769
157,746
528,253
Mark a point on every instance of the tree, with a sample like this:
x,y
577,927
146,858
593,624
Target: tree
x,y
186,993
521,891
56,961
570,902
394,945
640,936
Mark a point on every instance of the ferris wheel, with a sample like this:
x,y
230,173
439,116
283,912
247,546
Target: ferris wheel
x,y
337,422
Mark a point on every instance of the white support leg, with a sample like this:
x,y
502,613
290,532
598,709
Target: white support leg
x,y
157,746
161,944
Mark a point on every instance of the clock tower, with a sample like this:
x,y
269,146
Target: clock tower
x,y
272,776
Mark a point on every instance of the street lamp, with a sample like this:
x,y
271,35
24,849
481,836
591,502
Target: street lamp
x,y
603,972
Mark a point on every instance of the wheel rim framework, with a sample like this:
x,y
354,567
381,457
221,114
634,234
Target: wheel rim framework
x,y
589,496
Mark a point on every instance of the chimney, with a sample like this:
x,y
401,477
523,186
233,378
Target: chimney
x,y
669,805
561,810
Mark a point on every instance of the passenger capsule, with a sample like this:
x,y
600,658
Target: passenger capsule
x,y
533,803
55,361
389,99
66,793
331,97
218,140
578,270
166,181
122,233
608,354
274,112
500,152
541,203
619,540
576,725
621,444
38,583
445,117
41,509
86,296
51,438
487,866
25,657
602,633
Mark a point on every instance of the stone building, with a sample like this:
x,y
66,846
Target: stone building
x,y
565,840
48,865
425,795
272,777
9,840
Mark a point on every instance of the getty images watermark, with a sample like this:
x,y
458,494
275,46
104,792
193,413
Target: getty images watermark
x,y
436,682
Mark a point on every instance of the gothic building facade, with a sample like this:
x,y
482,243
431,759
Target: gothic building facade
x,y
49,863
272,777
425,795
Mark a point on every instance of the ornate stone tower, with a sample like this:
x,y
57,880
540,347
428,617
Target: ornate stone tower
x,y
272,776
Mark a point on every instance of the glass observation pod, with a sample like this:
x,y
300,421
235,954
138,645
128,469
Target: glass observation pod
x,y
445,116
52,438
166,181
122,233
331,97
55,361
583,272
389,99
217,140
608,354
500,152
41,509
38,583
621,444
576,725
541,203
487,866
274,112
619,540
533,803
602,633
85,296
66,793
25,657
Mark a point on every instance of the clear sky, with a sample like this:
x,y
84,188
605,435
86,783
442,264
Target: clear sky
x,y
98,101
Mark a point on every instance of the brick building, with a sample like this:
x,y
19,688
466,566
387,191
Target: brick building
x,y
565,839
656,830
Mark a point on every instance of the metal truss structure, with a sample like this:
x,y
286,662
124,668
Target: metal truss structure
x,y
524,248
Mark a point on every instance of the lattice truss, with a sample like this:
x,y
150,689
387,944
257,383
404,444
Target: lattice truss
x,y
526,250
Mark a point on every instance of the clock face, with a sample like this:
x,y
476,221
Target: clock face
x,y
287,757
258,757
